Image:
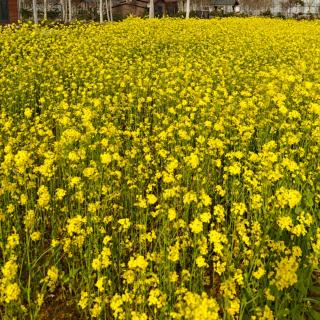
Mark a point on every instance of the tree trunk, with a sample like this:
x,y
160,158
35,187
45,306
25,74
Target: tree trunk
x,y
70,10
35,11
151,9
111,15
309,4
45,9
19,9
100,11
188,9
63,11
107,10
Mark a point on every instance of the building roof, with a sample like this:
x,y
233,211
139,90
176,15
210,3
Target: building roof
x,y
224,2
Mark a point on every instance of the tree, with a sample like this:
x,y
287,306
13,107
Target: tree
x,y
256,5
70,10
188,9
151,9
309,4
101,10
63,10
107,10
111,15
266,4
45,4
287,5
35,11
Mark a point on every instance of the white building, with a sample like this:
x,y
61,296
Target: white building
x,y
280,7
252,7
309,7
226,6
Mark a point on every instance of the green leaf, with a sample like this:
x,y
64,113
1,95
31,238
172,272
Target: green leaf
x,y
314,291
308,198
313,315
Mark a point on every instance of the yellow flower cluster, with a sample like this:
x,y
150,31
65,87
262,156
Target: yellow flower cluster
x,y
193,306
160,169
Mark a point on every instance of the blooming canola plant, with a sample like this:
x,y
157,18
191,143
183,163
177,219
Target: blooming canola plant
x,y
160,169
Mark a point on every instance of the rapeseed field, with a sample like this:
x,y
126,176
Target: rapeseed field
x,y
160,169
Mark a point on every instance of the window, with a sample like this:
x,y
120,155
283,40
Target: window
x,y
4,13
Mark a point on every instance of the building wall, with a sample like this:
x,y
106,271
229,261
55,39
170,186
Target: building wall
x,y
127,9
4,13
13,10
276,8
8,11
140,8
